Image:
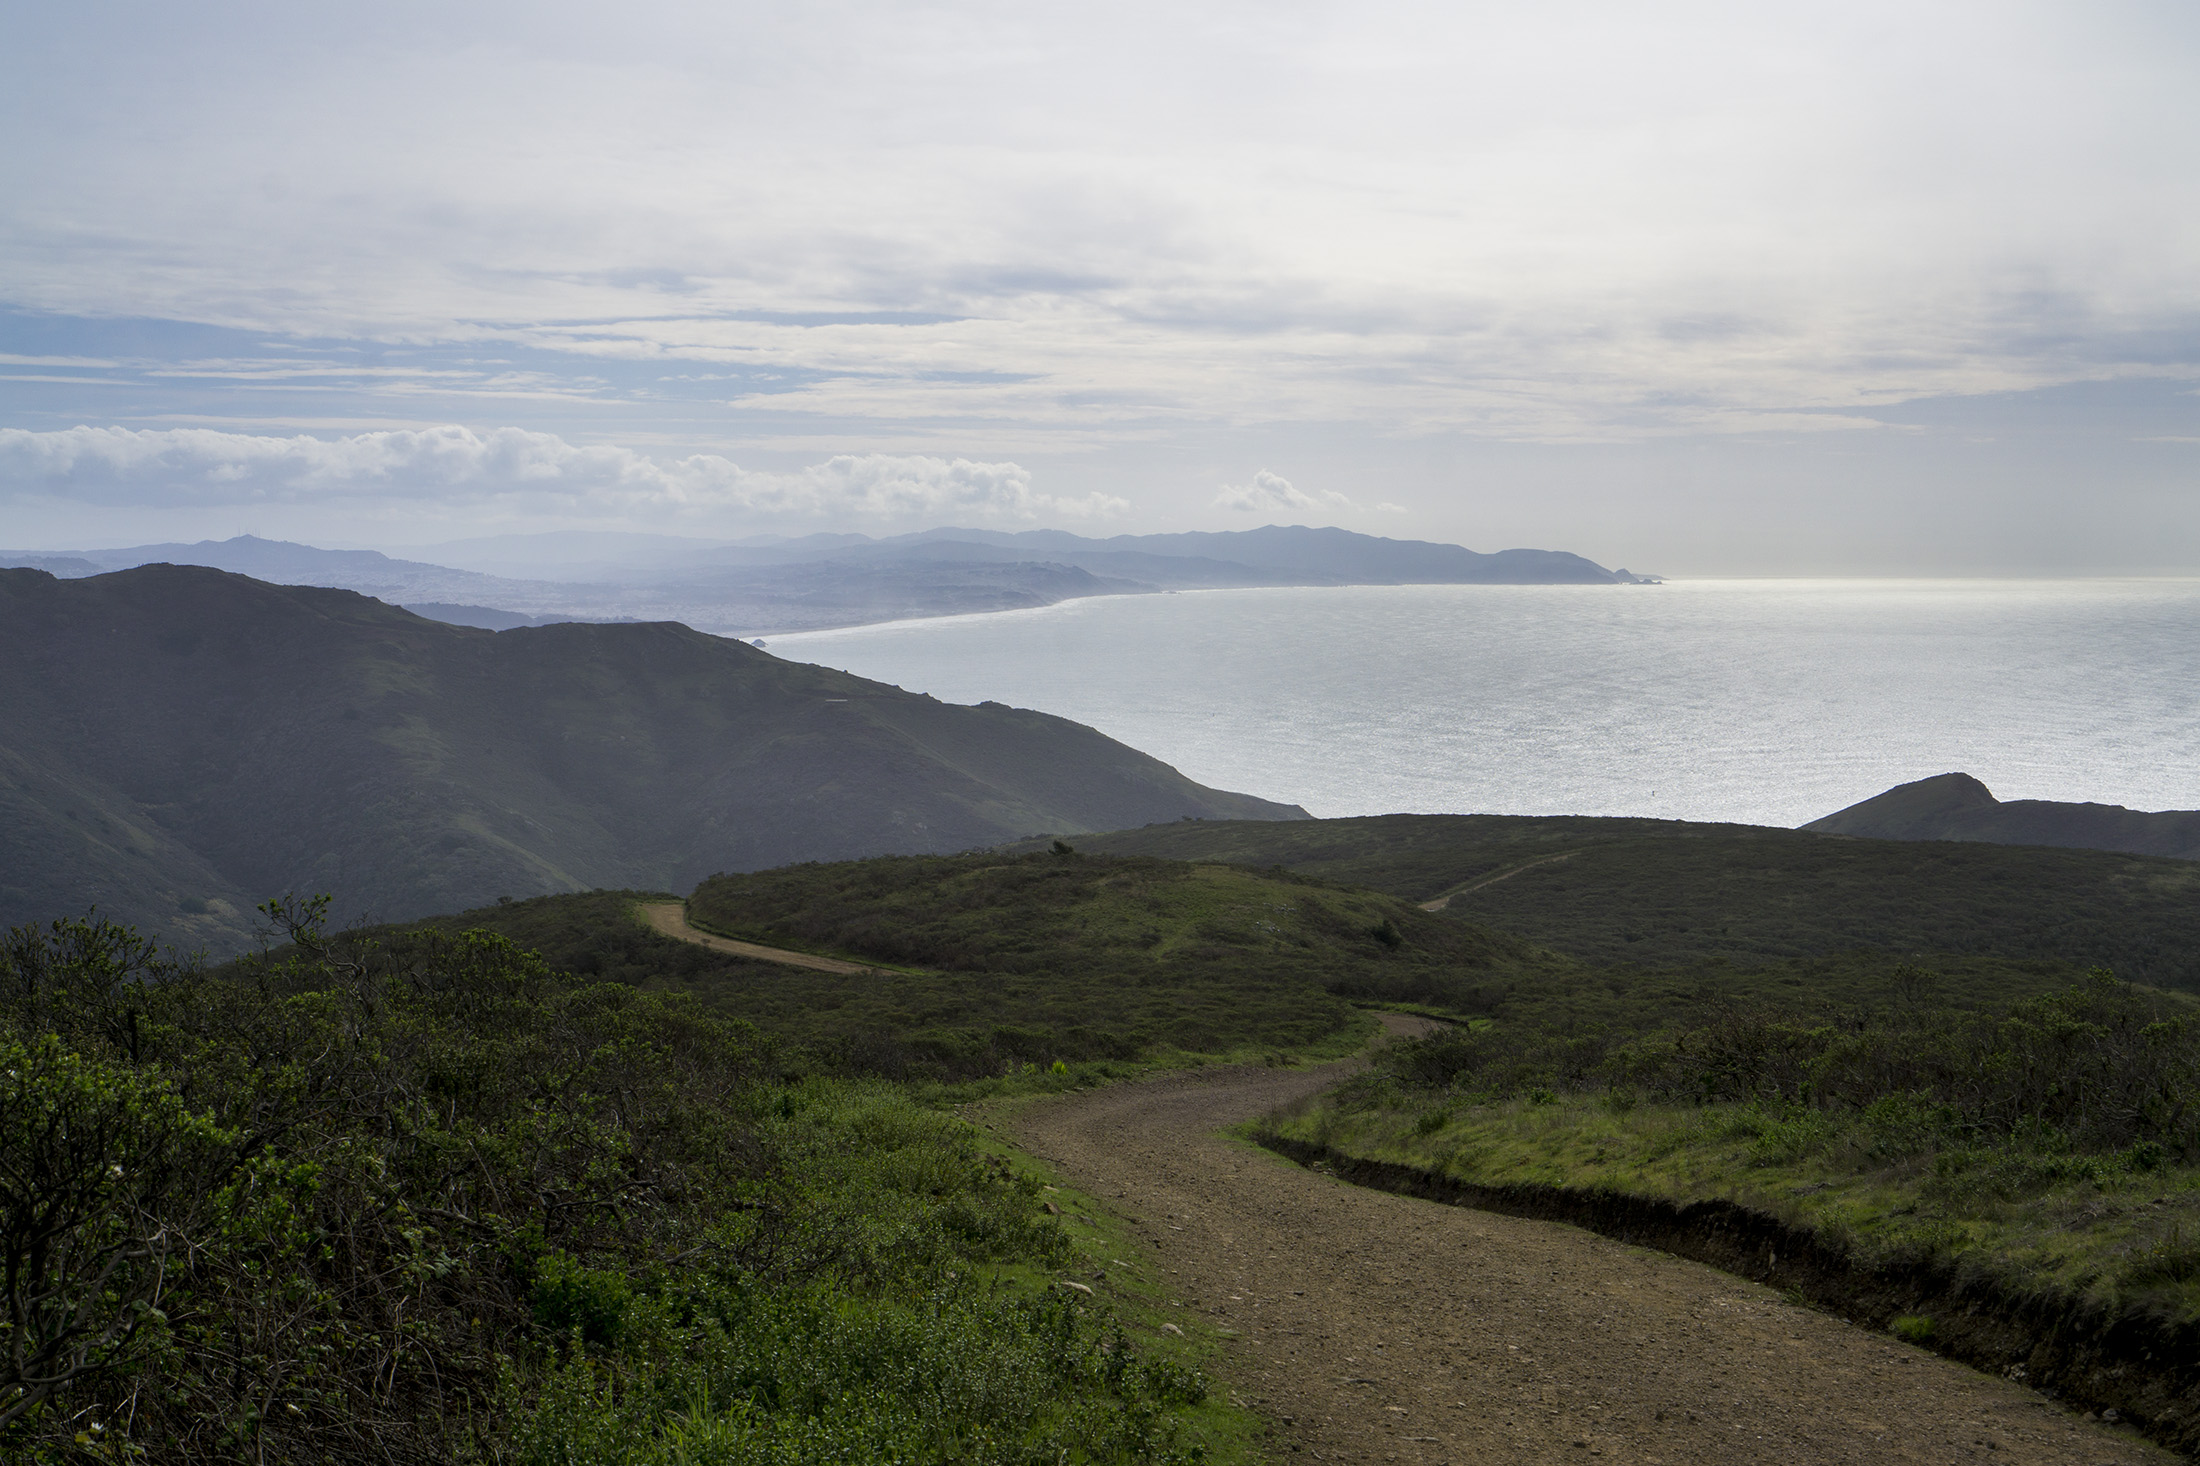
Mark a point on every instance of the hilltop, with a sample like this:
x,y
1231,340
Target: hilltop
x,y
1959,807
180,743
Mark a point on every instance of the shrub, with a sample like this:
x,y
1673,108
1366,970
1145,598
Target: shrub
x,y
419,1199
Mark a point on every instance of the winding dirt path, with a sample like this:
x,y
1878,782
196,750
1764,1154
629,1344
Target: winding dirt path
x,y
1450,896
670,918
1374,1327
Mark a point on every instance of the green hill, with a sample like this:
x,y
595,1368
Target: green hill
x,y
994,960
1663,893
1070,955
179,743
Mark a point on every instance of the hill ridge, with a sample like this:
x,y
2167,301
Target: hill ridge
x,y
183,743
1957,806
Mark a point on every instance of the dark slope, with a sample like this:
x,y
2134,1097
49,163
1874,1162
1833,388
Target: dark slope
x,y
1959,807
1664,893
178,736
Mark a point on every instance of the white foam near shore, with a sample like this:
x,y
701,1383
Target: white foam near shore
x,y
1770,702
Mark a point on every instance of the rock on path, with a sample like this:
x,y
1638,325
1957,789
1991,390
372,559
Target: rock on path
x,y
1378,1328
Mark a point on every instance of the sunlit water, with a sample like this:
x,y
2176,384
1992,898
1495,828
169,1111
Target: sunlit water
x,y
1771,702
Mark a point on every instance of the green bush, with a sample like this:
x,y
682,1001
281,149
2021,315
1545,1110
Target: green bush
x,y
418,1199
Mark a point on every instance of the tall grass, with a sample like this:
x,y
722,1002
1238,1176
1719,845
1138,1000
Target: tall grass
x,y
2099,1066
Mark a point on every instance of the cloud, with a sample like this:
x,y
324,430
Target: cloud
x,y
1272,493
1269,492
1594,222
200,467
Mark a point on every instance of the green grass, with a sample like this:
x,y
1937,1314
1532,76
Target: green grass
x,y
1662,894
1109,1258
2090,1227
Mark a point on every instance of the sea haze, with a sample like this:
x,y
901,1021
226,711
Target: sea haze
x,y
1767,702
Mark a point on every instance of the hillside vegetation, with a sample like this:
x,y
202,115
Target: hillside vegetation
x,y
1079,957
424,1200
179,744
1664,894
1000,960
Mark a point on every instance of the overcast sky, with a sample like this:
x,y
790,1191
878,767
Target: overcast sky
x,y
1690,287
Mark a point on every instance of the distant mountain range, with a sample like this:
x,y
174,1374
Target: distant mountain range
x,y
179,743
757,587
1959,807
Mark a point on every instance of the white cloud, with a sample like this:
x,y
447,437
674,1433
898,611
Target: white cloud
x,y
1271,493
176,467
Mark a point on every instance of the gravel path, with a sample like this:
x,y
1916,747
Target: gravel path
x,y
1373,1327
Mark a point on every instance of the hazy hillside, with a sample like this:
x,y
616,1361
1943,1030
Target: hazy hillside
x,y
1298,555
179,743
1664,892
1959,807
763,592
832,579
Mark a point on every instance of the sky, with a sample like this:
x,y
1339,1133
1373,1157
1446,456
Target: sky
x,y
1695,288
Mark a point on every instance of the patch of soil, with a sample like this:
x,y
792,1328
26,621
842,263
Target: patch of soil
x,y
1375,1327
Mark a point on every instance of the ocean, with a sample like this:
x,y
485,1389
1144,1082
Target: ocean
x,y
1767,702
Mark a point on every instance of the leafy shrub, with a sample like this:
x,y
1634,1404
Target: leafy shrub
x,y
420,1199
569,1298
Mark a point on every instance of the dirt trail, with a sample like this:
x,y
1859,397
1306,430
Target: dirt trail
x,y
1449,896
1381,1328
670,918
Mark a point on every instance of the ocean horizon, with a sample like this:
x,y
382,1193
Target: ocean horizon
x,y
1755,701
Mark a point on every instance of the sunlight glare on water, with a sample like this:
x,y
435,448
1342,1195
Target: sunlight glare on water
x,y
1768,702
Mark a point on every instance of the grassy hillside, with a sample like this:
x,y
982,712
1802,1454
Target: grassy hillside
x,y
1661,893
996,961
1094,956
179,743
1002,961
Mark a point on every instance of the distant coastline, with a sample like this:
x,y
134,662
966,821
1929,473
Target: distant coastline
x,y
834,581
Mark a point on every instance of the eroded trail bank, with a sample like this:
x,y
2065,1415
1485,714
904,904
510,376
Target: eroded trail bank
x,y
1383,1328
